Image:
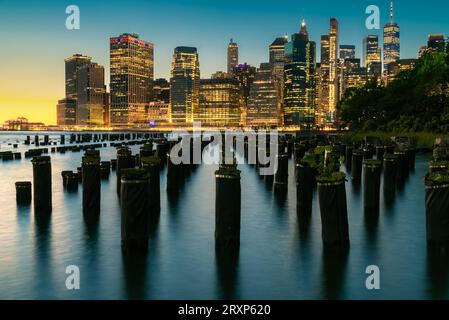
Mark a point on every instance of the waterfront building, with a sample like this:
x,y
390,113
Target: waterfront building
x,y
184,85
131,72
299,80
91,92
244,73
219,102
263,102
66,112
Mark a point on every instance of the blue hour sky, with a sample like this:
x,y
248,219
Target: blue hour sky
x,y
35,40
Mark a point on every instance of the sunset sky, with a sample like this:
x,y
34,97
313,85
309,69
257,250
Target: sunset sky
x,y
35,41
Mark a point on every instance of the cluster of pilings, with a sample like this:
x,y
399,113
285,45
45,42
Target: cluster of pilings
x,y
9,156
317,164
437,197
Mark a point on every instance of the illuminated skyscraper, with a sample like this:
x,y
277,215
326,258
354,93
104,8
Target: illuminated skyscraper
x,y
356,77
347,52
131,63
392,45
91,92
72,64
219,102
323,115
349,69
372,55
333,70
244,73
233,56
263,102
398,66
161,90
299,76
277,63
184,85
277,58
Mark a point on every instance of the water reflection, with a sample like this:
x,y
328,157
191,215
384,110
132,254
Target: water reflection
x,y
135,274
371,221
227,260
334,265
43,253
438,272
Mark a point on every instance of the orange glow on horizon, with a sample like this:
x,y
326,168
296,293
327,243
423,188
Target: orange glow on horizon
x,y
35,109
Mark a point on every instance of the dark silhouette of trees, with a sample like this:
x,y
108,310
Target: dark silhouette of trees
x,y
417,100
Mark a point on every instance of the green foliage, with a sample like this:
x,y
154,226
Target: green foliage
x,y
416,101
437,179
331,177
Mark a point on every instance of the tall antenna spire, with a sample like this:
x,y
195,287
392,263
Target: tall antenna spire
x,y
391,12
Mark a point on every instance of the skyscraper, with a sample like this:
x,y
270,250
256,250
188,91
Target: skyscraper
x,y
333,70
401,65
131,63
277,58
91,92
72,64
66,112
347,52
436,42
323,115
184,85
233,56
219,102
349,68
263,102
277,63
392,45
244,73
372,55
299,76
161,90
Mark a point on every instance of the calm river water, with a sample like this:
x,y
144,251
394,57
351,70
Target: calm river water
x,y
280,256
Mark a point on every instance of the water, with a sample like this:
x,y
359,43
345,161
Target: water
x,y
280,257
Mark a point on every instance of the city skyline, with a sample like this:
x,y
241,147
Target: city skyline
x,y
38,102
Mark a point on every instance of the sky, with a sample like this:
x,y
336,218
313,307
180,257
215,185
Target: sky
x,y
35,40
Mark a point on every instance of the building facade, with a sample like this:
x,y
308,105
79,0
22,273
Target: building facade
x,y
244,73
347,52
333,69
233,56
392,41
299,81
263,102
72,64
66,112
91,95
219,102
131,72
372,55
401,65
184,85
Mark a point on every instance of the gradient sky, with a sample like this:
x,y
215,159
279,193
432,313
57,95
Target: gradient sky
x,y
35,41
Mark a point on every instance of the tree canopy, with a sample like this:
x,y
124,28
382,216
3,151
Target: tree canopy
x,y
417,100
